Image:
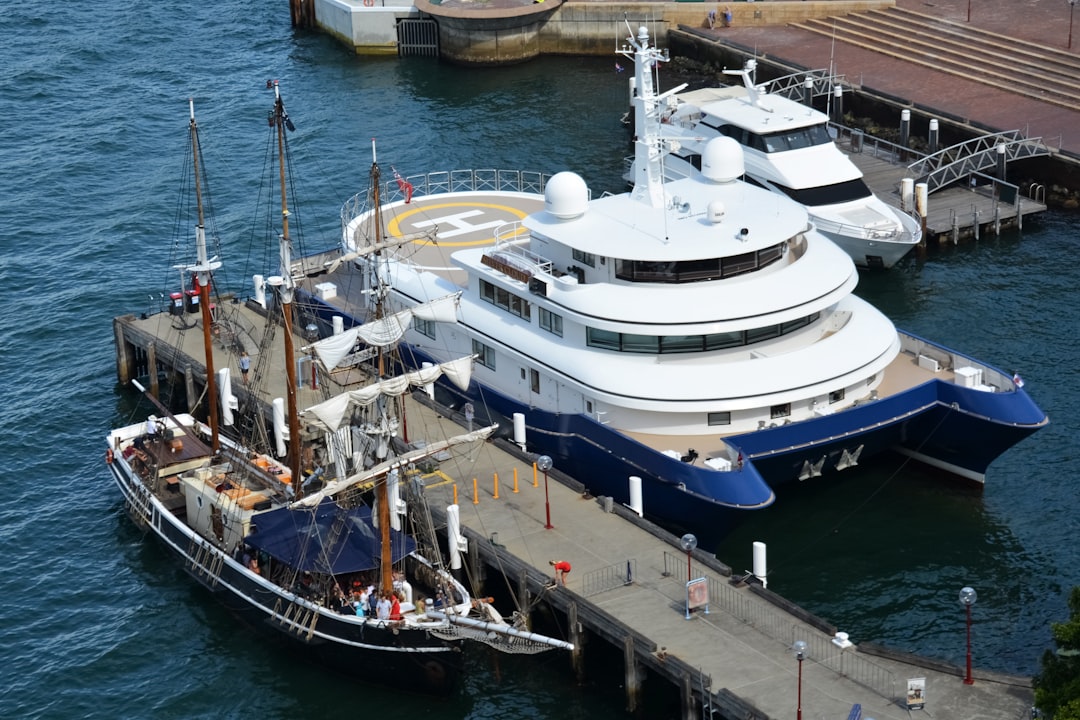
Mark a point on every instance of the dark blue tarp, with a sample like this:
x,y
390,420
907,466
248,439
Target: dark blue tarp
x,y
297,538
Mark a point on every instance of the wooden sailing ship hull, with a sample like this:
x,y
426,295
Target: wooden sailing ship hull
x,y
392,654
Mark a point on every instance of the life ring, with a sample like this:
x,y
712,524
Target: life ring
x,y
369,3
108,456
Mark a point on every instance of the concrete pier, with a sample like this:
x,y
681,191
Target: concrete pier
x,y
628,588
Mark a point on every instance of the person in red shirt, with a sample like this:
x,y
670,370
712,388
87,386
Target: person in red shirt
x,y
395,607
561,569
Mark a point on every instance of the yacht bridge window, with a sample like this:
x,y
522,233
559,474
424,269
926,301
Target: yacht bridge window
x,y
778,141
684,271
828,194
667,344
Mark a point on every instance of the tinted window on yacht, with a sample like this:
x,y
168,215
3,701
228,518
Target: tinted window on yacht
x,y
670,344
793,139
485,354
829,194
685,271
505,299
551,322
584,257
720,418
424,327
780,411
732,131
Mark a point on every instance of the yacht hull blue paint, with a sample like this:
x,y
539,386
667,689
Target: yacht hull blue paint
x,y
959,429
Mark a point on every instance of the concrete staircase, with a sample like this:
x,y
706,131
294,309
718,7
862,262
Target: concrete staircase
x,y
1017,66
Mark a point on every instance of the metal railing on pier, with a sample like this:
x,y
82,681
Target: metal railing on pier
x,y
779,626
608,578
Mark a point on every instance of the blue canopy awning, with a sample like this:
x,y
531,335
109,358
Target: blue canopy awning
x,y
299,538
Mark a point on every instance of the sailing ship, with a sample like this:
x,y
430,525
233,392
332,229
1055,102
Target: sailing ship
x,y
686,348
297,536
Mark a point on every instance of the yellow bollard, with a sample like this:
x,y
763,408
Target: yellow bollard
x,y
496,495
515,480
475,492
455,493
536,478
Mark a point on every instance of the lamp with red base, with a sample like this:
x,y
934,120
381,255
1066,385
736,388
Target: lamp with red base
x,y
544,463
967,599
799,648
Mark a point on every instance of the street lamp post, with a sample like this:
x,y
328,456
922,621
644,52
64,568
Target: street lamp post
x,y
969,11
688,542
1072,5
967,599
544,463
799,648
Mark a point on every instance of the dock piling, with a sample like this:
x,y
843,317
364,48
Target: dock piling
x,y
151,363
577,637
189,388
633,676
124,371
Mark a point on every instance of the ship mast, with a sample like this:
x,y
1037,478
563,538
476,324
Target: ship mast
x,y
201,270
382,494
280,120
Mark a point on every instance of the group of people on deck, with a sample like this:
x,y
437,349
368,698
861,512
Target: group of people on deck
x,y
364,600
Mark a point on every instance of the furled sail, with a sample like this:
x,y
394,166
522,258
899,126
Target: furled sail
x,y
386,331
335,486
331,413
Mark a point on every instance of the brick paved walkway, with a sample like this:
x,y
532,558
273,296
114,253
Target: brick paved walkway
x,y
1041,21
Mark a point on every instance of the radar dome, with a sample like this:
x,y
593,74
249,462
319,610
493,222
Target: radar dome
x,y
722,160
716,211
566,196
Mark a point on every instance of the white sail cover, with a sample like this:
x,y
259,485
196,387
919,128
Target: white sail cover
x,y
335,486
228,400
331,413
386,331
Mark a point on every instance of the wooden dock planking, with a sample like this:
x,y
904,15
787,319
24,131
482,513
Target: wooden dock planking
x,y
954,212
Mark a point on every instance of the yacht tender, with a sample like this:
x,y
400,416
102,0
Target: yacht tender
x,y
789,150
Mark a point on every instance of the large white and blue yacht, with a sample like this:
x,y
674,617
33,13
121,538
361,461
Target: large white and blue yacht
x,y
699,334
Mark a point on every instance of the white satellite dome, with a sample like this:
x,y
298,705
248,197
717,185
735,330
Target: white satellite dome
x,y
722,160
566,195
716,211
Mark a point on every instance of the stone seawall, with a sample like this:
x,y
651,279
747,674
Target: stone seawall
x,y
593,28
496,32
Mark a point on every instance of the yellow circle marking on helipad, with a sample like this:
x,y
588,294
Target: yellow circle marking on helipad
x,y
393,228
